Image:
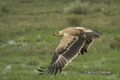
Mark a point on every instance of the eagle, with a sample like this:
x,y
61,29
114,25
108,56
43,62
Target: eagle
x,y
75,41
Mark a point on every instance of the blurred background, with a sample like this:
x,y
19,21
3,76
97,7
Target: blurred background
x,y
27,41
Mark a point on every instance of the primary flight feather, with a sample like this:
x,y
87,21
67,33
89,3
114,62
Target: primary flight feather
x,y
75,40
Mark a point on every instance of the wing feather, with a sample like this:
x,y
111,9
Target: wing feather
x,y
90,35
93,34
66,42
62,59
75,49
86,46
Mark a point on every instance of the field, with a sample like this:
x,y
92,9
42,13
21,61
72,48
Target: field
x,y
27,41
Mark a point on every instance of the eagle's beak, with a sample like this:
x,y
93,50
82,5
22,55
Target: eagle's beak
x,y
55,34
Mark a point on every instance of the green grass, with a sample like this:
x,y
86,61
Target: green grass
x,y
27,41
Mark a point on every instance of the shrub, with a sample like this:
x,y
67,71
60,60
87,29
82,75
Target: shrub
x,y
77,8
100,1
92,6
74,20
3,10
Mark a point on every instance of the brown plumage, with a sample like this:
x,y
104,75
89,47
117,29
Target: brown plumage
x,y
75,40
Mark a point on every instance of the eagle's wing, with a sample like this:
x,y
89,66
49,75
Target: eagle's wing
x,y
93,34
90,35
68,48
86,46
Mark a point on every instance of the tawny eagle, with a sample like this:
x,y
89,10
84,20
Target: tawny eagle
x,y
75,40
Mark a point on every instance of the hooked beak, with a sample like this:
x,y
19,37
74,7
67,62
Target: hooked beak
x,y
55,34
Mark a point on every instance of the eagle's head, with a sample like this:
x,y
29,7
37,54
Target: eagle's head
x,y
59,33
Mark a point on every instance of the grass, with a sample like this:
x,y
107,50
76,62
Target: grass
x,y
27,41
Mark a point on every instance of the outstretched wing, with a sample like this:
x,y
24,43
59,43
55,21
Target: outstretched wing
x,y
86,46
93,34
90,35
68,49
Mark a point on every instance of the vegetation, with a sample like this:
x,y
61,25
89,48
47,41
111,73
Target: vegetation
x,y
27,41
